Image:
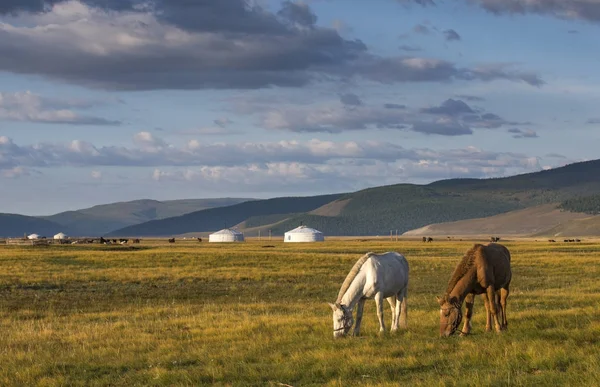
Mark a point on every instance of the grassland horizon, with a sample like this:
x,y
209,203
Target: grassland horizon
x,y
194,313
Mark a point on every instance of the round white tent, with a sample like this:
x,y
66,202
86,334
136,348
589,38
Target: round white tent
x,y
60,236
304,234
33,236
226,235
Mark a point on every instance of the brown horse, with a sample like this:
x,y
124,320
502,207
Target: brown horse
x,y
483,270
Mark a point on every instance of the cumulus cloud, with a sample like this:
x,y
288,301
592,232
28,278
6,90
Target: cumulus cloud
x,y
30,107
150,151
334,119
268,167
197,45
452,118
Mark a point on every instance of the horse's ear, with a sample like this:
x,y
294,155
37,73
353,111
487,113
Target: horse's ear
x,y
333,307
439,300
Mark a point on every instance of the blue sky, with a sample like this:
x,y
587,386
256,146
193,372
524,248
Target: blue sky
x,y
104,101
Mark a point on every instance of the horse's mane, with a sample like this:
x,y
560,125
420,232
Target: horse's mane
x,y
464,266
351,275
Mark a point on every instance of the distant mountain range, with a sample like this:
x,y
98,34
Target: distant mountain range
x,y
217,218
101,219
548,195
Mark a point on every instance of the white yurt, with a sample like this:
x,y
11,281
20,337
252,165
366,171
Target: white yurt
x,y
226,235
33,236
60,236
303,234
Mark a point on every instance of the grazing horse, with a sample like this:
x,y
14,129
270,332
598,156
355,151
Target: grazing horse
x,y
494,239
199,240
378,276
172,240
483,270
429,239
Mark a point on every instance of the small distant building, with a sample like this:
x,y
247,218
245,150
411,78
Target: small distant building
x,y
60,236
226,235
33,236
303,234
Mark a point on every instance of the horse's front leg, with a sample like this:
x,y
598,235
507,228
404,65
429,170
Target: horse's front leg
x,y
379,304
359,314
469,302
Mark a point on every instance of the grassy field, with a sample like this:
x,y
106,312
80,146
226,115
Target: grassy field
x,y
194,314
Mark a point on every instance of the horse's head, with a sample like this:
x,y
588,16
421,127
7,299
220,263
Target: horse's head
x,y
450,315
342,320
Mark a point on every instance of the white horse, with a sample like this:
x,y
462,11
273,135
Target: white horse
x,y
378,276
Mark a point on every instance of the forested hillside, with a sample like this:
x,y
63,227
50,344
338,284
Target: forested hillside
x,y
587,205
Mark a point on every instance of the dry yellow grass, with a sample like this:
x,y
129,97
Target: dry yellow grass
x,y
192,314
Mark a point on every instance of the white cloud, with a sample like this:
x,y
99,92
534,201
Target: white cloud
x,y
27,106
285,163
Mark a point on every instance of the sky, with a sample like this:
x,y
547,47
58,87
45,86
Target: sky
x,y
115,100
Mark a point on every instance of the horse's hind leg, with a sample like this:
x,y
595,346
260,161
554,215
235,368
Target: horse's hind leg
x,y
503,296
402,308
392,302
493,303
379,304
488,313
469,302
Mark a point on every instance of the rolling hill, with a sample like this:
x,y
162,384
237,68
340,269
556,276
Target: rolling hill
x,y
218,218
99,220
12,225
537,220
401,207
